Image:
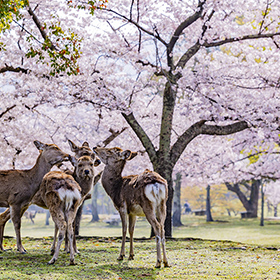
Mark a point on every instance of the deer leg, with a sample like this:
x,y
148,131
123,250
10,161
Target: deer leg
x,y
157,230
16,213
131,225
70,234
54,239
4,218
58,218
161,219
123,215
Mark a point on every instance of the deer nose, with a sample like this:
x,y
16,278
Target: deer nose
x,y
86,172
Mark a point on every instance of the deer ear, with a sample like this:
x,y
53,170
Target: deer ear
x,y
97,162
39,145
73,160
126,154
73,146
132,155
85,144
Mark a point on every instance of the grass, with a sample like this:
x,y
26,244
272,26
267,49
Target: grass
x,y
225,228
230,248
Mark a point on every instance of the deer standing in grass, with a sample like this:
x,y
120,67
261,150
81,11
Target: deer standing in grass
x,y
135,195
84,175
17,187
79,151
61,194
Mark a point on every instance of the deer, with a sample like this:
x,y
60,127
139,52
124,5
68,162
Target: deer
x,y
83,175
30,215
61,194
17,187
135,195
79,151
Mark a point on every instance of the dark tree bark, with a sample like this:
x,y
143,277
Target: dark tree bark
x,y
94,212
262,206
249,202
208,206
275,211
177,201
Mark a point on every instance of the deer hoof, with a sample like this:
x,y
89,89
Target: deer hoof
x,y
72,262
166,264
158,265
131,257
22,251
52,261
120,258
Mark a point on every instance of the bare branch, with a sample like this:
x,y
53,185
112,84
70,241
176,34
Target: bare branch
x,y
114,134
142,136
223,130
13,69
202,128
137,25
236,39
7,110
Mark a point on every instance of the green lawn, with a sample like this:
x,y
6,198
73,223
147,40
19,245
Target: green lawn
x,y
230,248
225,228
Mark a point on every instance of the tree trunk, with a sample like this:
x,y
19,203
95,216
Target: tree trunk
x,y
177,201
251,203
94,212
262,206
275,210
208,206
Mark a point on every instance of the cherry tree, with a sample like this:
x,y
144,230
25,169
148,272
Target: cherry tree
x,y
174,71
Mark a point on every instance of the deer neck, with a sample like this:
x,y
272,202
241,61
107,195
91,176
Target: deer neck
x,y
112,180
85,185
38,171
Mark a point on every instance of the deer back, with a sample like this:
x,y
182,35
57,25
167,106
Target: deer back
x,y
63,186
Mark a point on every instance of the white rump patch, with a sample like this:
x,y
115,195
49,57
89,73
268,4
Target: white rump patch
x,y
68,196
155,192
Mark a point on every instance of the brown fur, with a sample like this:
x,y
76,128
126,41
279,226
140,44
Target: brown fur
x,y
135,195
17,187
83,175
63,211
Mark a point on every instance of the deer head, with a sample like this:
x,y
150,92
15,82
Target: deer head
x,y
114,156
52,154
84,166
84,150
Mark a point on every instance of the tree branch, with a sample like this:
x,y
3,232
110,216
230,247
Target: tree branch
x,y
7,110
155,35
13,69
202,128
223,130
243,38
185,24
142,136
39,26
113,135
182,141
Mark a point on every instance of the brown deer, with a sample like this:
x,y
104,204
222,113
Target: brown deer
x,y
62,196
135,195
30,215
84,175
79,151
17,187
